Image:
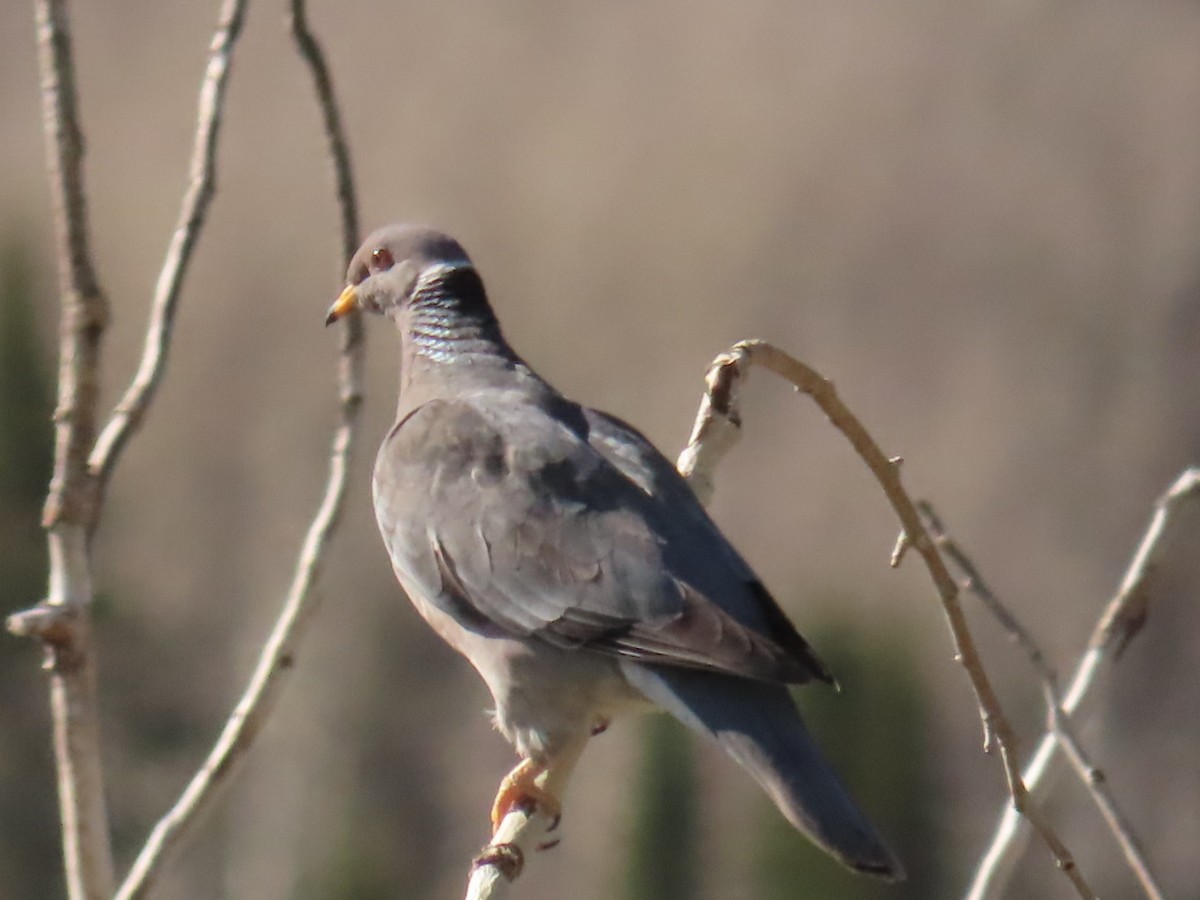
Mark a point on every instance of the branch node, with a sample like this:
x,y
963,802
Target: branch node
x,y
898,552
507,859
1129,619
47,622
1058,731
56,625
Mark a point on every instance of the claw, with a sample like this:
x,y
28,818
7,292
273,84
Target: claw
x,y
519,790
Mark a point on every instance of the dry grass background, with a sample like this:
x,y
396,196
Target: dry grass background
x,y
981,219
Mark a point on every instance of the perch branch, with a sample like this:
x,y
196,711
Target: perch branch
x,y
1058,722
278,654
720,402
1121,620
62,622
350,377
521,832
202,186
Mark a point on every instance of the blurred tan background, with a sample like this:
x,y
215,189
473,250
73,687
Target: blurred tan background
x,y
982,220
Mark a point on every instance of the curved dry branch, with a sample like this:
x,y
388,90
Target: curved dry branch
x,y
716,430
1122,618
278,655
720,402
202,186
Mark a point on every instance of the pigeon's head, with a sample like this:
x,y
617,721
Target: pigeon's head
x,y
392,265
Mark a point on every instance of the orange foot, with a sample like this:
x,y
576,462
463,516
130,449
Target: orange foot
x,y
520,789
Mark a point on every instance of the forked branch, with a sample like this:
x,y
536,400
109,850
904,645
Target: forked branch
x,y
62,622
202,187
1058,721
1122,618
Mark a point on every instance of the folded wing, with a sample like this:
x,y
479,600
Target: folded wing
x,y
564,525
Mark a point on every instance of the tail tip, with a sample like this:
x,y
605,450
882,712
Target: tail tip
x,y
886,867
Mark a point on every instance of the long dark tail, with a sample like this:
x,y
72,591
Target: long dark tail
x,y
759,726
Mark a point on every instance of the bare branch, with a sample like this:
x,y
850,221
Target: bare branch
x,y
1121,619
62,622
975,583
1094,781
82,465
521,832
84,308
730,367
132,408
331,117
353,351
278,655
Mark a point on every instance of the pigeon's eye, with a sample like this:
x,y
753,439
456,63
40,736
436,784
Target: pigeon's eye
x,y
381,260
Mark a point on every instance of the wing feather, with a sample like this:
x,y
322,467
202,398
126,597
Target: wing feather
x,y
568,527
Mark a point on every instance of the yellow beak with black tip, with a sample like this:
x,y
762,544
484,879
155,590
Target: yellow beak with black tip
x,y
346,302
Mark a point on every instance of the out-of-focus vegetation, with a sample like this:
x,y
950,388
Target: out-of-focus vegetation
x,y
30,858
663,854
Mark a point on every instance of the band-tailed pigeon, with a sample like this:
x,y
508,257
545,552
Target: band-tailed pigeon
x,y
567,559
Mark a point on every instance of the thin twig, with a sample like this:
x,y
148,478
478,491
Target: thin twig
x,y
202,186
1059,723
331,117
975,584
1122,618
278,655
353,351
63,621
726,370
521,832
